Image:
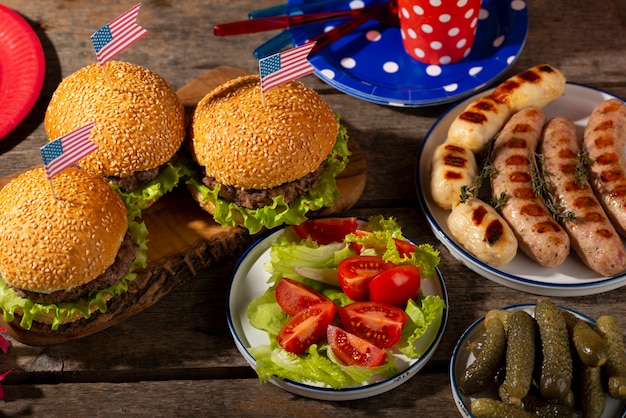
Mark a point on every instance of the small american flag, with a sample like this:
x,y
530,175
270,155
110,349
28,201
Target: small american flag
x,y
111,39
285,66
67,150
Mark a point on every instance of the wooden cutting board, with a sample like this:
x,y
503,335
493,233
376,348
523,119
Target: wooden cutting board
x,y
183,239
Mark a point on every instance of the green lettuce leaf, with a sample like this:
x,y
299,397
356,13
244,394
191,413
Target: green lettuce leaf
x,y
152,190
422,325
279,213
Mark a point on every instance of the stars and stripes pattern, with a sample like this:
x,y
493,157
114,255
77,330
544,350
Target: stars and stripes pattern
x,y
67,150
285,66
111,39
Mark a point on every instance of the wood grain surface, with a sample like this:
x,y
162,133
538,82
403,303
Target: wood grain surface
x,y
178,358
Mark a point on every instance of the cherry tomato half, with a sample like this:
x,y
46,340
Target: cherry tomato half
x,y
355,273
378,323
405,248
352,350
396,285
294,296
326,230
306,327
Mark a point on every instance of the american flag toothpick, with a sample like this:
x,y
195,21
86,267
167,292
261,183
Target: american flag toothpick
x,y
66,151
285,66
116,36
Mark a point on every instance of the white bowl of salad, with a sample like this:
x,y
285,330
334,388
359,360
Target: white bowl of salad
x,y
338,308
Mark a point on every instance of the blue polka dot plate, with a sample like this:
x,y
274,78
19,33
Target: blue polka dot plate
x,y
370,62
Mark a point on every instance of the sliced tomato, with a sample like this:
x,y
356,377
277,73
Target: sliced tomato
x,y
306,327
396,285
294,296
326,230
352,350
405,248
354,274
378,323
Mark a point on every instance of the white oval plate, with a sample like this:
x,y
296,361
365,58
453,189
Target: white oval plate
x,y
572,278
250,281
462,357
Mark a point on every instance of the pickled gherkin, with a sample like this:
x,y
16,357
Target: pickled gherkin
x,y
556,364
482,371
590,391
589,345
520,358
493,408
615,366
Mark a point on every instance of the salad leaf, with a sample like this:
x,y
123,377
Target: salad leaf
x,y
287,254
422,324
265,314
312,367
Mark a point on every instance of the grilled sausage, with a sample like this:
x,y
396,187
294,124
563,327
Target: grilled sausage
x,y
478,124
539,235
538,86
453,167
604,140
483,118
480,229
592,234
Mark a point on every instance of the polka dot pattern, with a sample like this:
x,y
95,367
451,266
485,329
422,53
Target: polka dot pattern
x,y
370,63
435,32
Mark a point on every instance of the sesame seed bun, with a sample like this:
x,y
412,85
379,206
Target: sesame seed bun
x,y
140,121
245,143
50,243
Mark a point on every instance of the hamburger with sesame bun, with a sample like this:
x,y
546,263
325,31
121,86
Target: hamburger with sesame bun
x,y
139,126
265,161
65,256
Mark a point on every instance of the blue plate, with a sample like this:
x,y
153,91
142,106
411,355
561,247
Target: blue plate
x,y
370,63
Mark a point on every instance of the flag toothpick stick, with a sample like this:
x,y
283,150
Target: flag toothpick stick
x,y
54,196
106,75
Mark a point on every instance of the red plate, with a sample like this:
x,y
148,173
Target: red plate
x,y
22,69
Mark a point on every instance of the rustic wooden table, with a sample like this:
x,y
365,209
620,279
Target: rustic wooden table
x,y
178,358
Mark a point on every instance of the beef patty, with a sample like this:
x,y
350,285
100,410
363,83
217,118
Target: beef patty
x,y
257,198
132,182
111,276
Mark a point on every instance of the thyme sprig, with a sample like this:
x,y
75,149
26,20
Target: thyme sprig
x,y
540,189
486,171
582,162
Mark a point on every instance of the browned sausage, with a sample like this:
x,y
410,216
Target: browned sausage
x,y
480,229
604,140
453,167
535,87
484,117
539,235
592,235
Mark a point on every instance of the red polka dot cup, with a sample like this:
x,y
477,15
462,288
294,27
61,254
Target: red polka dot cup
x,y
438,31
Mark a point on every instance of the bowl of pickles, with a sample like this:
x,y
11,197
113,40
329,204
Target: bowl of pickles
x,y
540,359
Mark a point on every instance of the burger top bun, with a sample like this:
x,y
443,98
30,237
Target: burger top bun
x,y
244,143
50,243
139,120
